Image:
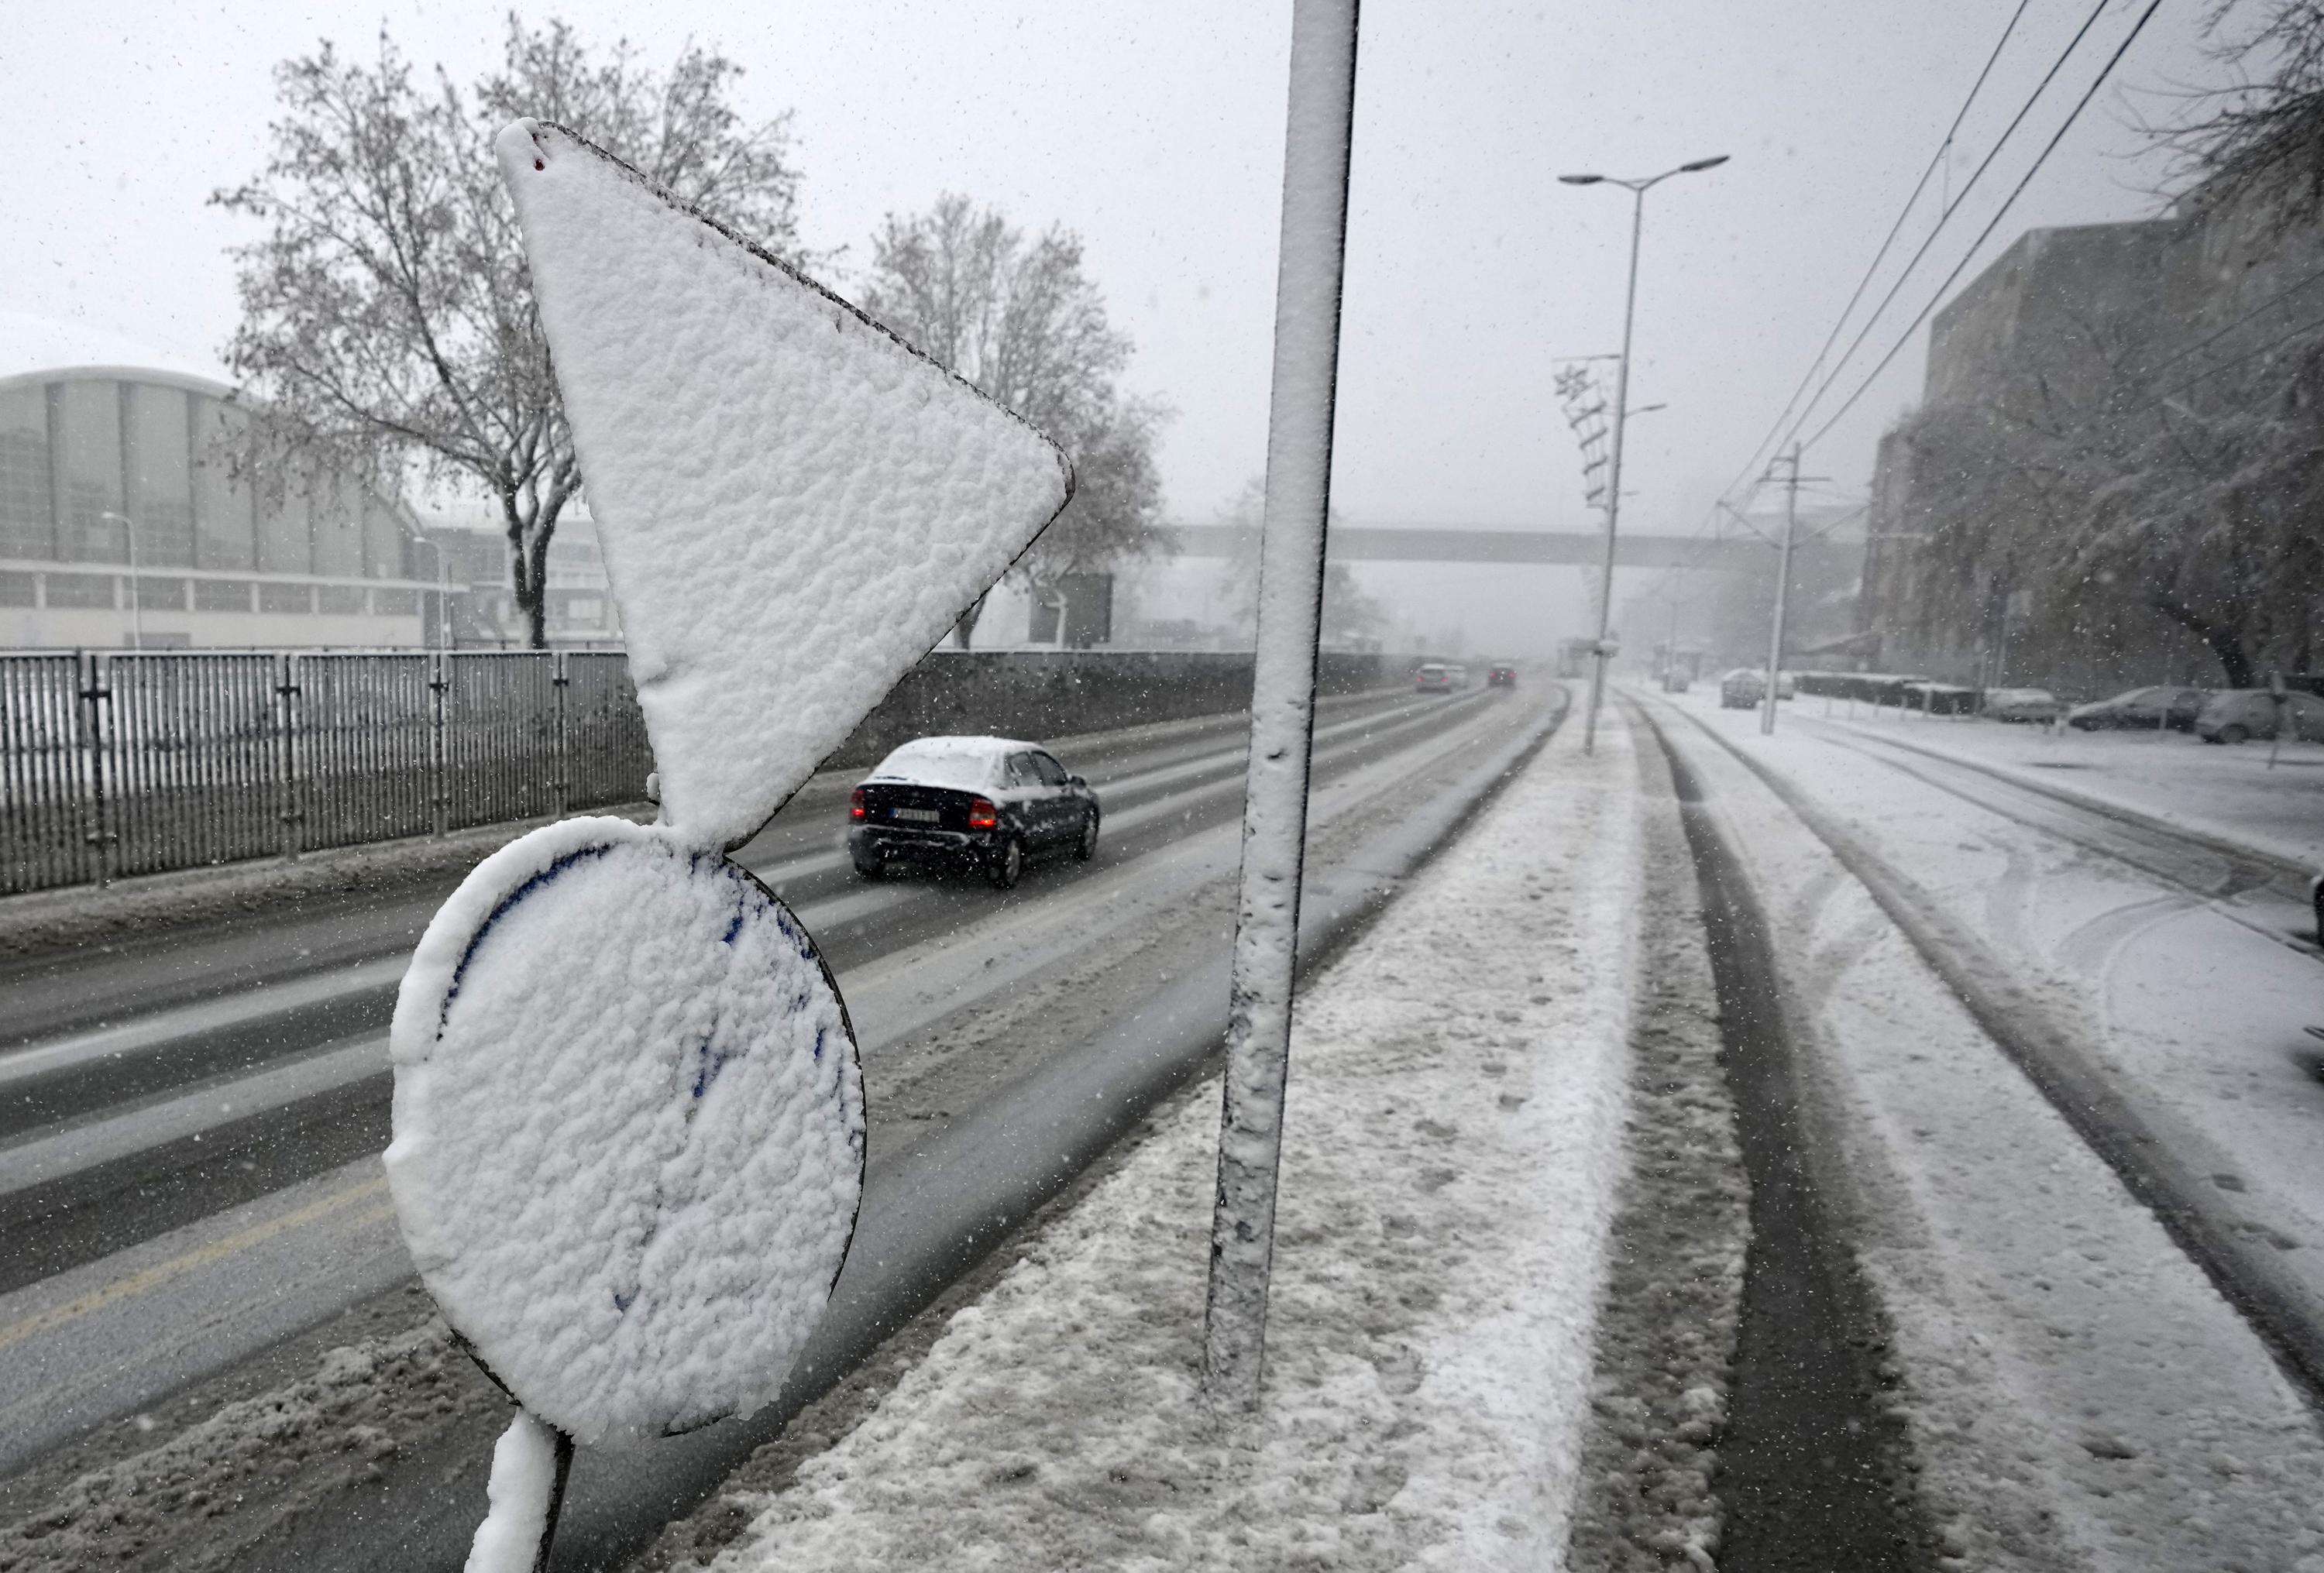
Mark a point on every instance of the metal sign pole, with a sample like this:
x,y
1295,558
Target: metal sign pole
x,y
1314,248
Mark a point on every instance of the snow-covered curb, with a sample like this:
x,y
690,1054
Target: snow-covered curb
x,y
1453,1144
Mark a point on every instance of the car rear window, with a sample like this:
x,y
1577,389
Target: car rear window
x,y
939,762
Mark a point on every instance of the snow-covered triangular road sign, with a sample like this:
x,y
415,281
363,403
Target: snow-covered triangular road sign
x,y
794,505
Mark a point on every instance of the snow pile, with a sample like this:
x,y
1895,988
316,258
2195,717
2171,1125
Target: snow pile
x,y
523,1479
793,504
191,1501
1452,1145
628,1128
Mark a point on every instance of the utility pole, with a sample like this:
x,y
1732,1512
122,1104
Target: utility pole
x,y
1782,582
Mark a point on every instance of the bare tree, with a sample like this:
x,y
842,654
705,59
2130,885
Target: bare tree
x,y
1350,614
2200,509
388,319
2264,133
1018,317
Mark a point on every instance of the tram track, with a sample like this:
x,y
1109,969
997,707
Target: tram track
x,y
2136,1138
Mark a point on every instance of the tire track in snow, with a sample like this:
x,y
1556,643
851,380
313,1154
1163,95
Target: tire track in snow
x,y
2124,1130
1808,1368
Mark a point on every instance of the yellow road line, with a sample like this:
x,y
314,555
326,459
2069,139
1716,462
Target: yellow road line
x,y
161,1272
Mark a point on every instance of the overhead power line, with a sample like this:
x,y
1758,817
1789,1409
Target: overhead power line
x,y
2268,348
1991,225
1944,147
2285,293
1930,240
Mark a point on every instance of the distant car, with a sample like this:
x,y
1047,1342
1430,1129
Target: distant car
x,y
1785,684
1674,681
1742,688
1501,678
2022,706
2240,714
1433,678
986,803
2152,708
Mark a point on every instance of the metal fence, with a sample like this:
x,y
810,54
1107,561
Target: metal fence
x,y
121,762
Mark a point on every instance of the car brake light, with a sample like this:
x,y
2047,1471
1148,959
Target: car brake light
x,y
981,815
855,803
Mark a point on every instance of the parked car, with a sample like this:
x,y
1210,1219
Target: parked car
x,y
2239,715
1742,688
986,803
2036,707
1501,678
2159,706
1940,698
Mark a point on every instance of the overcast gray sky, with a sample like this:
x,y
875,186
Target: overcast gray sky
x,y
1156,130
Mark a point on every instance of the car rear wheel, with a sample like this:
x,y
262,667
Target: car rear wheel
x,y
870,865
1086,848
1008,864
2234,734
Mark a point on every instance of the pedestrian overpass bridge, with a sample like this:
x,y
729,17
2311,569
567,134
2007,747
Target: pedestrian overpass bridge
x,y
1399,543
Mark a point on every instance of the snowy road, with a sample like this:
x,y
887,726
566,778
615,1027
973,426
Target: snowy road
x,y
186,1133
2067,1100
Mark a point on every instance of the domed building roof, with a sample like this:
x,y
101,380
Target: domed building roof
x,y
35,348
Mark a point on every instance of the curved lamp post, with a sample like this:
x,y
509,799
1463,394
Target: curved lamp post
x,y
136,587
1638,189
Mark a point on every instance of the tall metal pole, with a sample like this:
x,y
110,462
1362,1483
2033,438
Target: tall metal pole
x,y
1783,593
1614,478
136,589
1669,650
1310,266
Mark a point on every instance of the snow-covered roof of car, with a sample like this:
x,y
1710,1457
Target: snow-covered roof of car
x,y
963,742
946,761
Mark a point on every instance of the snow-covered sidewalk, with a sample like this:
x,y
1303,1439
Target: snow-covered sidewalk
x,y
2228,793
1453,1153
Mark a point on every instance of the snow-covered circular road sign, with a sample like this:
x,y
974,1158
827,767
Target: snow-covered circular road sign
x,y
628,1128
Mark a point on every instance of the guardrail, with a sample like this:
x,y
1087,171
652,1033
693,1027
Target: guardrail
x,y
115,763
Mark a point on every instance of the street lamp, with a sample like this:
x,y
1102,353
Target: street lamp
x,y
136,591
1638,189
443,593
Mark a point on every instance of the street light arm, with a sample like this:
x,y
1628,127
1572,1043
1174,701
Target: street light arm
x,y
1641,184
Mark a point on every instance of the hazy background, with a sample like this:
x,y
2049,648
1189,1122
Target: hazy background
x,y
1157,133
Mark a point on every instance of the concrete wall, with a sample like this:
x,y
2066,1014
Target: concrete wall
x,y
2074,307
1048,693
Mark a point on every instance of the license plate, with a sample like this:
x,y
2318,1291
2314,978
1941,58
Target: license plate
x,y
917,815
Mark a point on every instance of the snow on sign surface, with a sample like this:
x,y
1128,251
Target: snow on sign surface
x,y
794,505
628,1128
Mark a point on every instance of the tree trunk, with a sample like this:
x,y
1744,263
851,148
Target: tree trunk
x,y
2224,643
529,560
965,629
